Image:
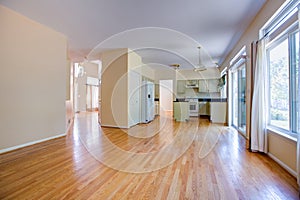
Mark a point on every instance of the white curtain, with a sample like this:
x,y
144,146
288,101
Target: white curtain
x,y
259,101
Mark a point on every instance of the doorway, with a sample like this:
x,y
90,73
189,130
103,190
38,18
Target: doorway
x,y
86,86
238,98
92,94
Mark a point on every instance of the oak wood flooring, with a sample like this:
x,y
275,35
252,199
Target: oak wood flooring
x,y
216,165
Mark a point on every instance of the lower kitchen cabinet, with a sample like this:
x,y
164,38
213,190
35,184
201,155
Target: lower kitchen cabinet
x,y
181,111
218,112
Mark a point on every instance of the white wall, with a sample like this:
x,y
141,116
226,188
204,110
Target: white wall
x,y
134,98
163,72
32,81
166,95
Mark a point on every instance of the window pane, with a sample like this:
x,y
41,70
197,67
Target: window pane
x,y
235,98
242,98
279,85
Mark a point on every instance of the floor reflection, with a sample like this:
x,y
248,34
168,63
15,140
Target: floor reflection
x,y
146,147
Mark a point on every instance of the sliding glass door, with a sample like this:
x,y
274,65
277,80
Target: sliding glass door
x,y
239,98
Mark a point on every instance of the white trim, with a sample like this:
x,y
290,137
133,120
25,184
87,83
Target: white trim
x,y
280,14
70,125
30,143
282,164
238,56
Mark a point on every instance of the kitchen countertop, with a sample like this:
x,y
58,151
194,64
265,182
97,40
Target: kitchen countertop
x,y
181,100
206,99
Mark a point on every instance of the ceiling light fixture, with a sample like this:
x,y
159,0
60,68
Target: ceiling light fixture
x,y
200,66
175,66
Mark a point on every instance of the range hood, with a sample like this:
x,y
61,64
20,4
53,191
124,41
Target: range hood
x,y
192,84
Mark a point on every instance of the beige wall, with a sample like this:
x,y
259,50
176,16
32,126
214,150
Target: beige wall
x,y
283,149
91,70
135,63
122,71
114,88
148,72
32,81
134,60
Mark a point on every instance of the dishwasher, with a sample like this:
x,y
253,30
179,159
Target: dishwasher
x,y
204,108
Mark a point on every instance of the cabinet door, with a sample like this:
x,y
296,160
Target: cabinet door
x,y
202,108
213,85
181,111
218,112
203,85
180,87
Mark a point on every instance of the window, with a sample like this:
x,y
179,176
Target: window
x,y
282,51
278,59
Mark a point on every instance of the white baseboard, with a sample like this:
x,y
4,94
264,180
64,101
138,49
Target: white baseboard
x,y
30,143
282,164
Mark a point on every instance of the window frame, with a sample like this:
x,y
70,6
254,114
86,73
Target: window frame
x,y
236,63
289,35
275,27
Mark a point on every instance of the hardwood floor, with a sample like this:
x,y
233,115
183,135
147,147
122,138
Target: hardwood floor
x,y
213,165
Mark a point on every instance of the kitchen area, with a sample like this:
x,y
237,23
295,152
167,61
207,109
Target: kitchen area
x,y
205,98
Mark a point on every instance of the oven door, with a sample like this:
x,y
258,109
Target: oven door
x,y
194,109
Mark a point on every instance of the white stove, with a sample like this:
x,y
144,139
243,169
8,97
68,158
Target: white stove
x,y
193,108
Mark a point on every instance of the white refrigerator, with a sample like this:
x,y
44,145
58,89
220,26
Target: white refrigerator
x,y
147,101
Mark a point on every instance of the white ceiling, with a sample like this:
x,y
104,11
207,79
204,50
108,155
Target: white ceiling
x,y
174,28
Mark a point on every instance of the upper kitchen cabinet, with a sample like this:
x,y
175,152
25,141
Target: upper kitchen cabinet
x,y
213,85
181,87
203,85
208,85
192,84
